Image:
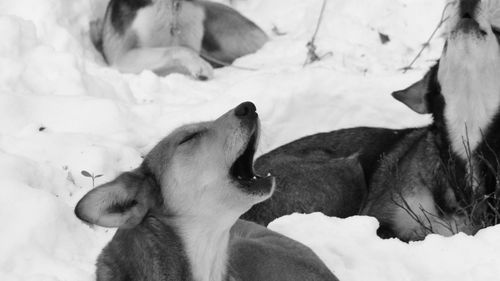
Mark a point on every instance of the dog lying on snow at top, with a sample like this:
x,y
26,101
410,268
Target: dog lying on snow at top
x,y
434,179
173,36
178,212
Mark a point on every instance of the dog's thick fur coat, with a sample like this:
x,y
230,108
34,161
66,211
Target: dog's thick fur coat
x,y
178,212
420,180
167,36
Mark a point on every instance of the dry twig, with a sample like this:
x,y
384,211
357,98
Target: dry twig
x,y
312,56
427,43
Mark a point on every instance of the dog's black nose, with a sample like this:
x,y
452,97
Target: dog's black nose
x,y
246,109
468,8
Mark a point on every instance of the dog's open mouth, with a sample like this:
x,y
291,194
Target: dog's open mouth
x,y
242,170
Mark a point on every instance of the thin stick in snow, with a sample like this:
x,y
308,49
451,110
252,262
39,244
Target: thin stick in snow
x,y
427,43
312,56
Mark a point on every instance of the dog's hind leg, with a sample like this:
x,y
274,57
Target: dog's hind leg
x,y
164,61
417,215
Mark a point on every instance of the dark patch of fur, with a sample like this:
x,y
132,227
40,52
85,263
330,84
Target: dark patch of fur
x,y
210,42
369,143
489,168
313,174
468,7
123,12
224,24
307,186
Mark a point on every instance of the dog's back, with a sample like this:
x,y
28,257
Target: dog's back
x,y
338,144
326,172
258,253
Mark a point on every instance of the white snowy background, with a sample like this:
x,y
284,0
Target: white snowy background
x,y
62,110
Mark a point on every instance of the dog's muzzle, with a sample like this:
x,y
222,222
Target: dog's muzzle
x,y
470,26
242,171
468,22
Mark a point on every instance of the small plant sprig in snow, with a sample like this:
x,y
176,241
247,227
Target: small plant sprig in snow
x,y
92,176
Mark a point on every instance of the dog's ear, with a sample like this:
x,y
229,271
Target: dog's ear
x,y
415,96
121,203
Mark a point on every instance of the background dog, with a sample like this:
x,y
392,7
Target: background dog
x,y
178,212
168,36
310,180
438,179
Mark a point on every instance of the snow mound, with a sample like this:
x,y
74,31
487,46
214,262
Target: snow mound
x,y
352,250
62,111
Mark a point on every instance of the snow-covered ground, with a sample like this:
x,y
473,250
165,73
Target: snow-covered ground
x,y
63,111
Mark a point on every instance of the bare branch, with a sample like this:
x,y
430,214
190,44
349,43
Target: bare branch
x,y
427,43
312,56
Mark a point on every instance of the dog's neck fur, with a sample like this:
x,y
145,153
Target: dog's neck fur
x,y
471,106
468,75
206,243
466,106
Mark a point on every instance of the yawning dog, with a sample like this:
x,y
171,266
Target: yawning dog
x,y
167,36
178,212
436,179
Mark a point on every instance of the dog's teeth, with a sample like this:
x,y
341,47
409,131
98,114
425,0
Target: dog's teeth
x,y
254,177
269,174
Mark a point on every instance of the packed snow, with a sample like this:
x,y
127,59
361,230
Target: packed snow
x,y
63,111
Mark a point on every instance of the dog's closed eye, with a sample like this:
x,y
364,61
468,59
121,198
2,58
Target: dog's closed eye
x,y
189,138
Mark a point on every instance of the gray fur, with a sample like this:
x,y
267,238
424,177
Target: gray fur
x,y
327,172
435,179
329,182
228,35
392,164
260,254
168,209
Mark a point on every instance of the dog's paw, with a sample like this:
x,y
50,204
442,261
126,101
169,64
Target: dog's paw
x,y
194,65
201,70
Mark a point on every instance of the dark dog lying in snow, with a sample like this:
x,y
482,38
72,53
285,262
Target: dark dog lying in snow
x,y
172,36
178,212
437,179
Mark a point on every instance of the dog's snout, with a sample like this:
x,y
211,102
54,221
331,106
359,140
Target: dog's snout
x,y
469,22
468,8
467,16
245,110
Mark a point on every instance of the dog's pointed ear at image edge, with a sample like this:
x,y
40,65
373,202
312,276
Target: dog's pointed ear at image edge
x,y
123,202
415,96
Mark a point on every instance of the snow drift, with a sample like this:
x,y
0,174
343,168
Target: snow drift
x,y
62,110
